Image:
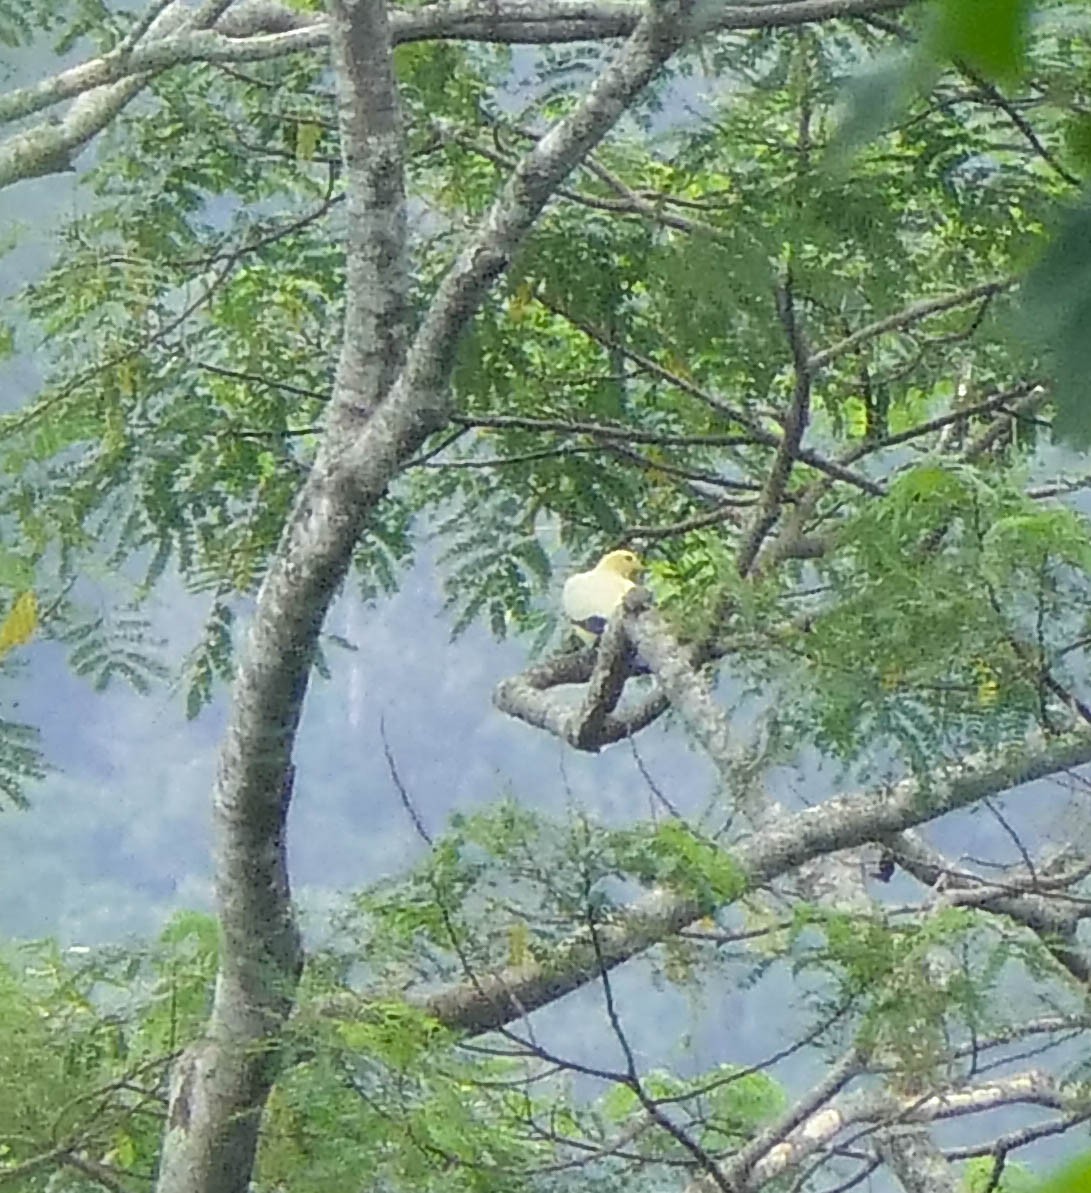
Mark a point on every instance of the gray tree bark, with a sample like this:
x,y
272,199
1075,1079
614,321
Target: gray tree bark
x,y
387,400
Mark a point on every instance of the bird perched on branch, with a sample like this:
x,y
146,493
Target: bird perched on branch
x,y
590,598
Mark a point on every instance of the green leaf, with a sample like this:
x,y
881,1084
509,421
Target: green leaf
x,y
1054,317
1077,138
977,1177
877,97
988,35
1076,1178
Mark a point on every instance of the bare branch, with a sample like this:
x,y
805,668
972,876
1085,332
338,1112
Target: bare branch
x,y
914,313
600,430
1027,902
1003,424
605,685
998,401
160,40
1004,1144
725,512
916,1161
995,97
48,148
686,688
795,425
255,30
770,1142
526,696
883,1107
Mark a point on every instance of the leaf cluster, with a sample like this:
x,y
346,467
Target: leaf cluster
x,y
85,1041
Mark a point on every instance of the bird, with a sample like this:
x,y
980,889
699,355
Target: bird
x,y
590,598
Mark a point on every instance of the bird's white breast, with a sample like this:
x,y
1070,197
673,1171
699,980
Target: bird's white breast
x,y
593,594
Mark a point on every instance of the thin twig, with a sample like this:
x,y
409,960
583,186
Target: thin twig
x,y
795,425
911,314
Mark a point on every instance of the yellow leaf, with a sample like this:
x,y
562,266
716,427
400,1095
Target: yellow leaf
x,y
988,687
267,466
306,140
856,417
123,1153
759,917
20,623
518,943
678,367
126,378
520,302
891,679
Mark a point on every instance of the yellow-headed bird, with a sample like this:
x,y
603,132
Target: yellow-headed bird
x,y
590,598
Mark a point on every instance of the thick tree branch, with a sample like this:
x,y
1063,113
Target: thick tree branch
x,y
257,30
491,1001
48,148
381,413
911,1154
528,697
605,686
1034,902
219,1086
687,689
770,1142
595,723
885,1106
527,191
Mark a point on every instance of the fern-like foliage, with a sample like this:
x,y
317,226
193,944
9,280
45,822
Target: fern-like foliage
x,y
21,762
115,646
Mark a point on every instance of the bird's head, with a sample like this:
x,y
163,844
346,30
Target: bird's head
x,y
623,563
